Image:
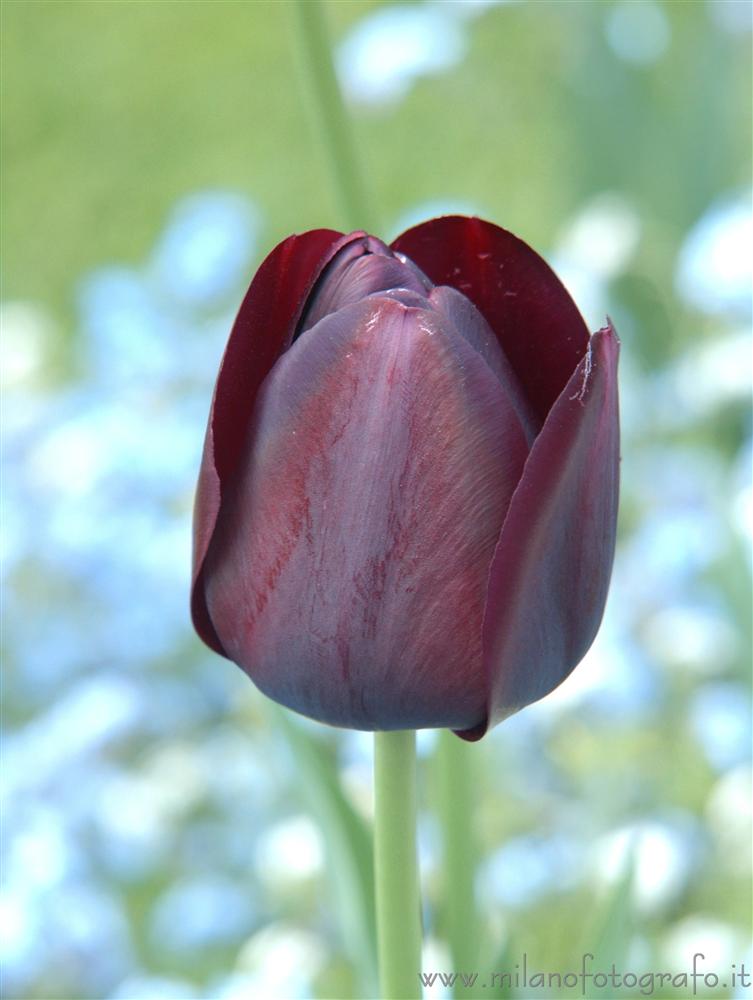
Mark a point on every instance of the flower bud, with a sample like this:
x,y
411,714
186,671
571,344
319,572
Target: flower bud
x,y
407,501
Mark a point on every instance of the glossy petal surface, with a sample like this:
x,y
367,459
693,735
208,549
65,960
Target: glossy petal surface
x,y
362,267
468,321
263,329
550,573
538,325
349,567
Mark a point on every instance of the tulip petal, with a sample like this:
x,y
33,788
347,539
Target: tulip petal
x,y
538,325
550,573
348,570
468,321
359,270
263,329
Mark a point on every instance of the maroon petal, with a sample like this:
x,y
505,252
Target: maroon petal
x,y
349,567
360,269
468,321
262,330
537,323
550,572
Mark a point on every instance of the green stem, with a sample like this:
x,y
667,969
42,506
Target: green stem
x,y
456,808
396,865
333,119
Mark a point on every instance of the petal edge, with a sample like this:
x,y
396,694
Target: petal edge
x,y
262,329
550,573
524,302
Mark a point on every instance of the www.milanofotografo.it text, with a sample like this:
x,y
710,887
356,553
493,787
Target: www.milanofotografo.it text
x,y
699,979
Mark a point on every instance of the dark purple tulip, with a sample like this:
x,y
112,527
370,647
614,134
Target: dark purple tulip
x,y
407,501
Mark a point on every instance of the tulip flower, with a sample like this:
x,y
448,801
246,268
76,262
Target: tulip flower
x,y
407,500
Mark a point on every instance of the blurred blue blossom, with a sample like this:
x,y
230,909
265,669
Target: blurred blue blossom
x,y
128,334
100,503
198,913
232,760
39,854
595,245
130,847
206,248
663,851
78,932
145,987
638,31
669,549
706,378
527,868
43,659
21,946
86,923
682,532
735,16
720,719
98,710
279,960
716,260
290,850
691,637
392,46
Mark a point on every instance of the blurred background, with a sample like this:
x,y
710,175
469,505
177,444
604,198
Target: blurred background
x,y
167,833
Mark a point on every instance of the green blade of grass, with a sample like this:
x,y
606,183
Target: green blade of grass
x,y
348,846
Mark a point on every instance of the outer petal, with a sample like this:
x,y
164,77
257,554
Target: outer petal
x,y
262,330
468,321
537,323
349,567
550,573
